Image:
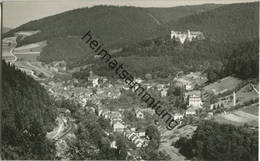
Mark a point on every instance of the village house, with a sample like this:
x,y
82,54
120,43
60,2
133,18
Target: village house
x,y
51,91
59,66
126,133
113,121
139,143
113,144
178,116
164,92
138,80
147,111
100,91
195,101
114,117
147,85
89,108
115,114
193,98
106,114
93,79
210,114
133,129
125,87
160,87
140,133
139,114
191,111
100,111
118,126
190,93
132,136
135,138
189,81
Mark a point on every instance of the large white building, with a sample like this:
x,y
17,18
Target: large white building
x,y
189,35
195,101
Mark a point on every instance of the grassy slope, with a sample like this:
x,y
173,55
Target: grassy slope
x,y
6,29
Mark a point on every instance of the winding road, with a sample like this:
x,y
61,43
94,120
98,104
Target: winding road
x,y
254,88
61,134
15,57
13,45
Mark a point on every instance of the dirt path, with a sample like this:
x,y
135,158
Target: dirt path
x,y
13,45
155,19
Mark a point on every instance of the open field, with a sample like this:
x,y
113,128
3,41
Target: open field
x,y
252,109
247,115
36,67
28,57
246,94
6,51
7,47
26,33
34,47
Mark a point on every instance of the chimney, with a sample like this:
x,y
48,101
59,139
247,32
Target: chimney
x,y
234,98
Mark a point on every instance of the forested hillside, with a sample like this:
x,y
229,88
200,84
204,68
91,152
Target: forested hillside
x,y
231,33
165,15
27,114
228,23
112,25
244,61
162,57
212,141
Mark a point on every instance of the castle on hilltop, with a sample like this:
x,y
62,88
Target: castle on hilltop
x,y
187,36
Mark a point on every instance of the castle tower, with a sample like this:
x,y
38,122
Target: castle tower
x,y
172,34
189,36
234,98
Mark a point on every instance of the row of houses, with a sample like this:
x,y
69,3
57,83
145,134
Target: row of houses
x,y
96,80
191,80
229,100
118,125
138,138
160,87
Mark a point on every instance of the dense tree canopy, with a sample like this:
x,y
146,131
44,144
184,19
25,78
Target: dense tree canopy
x,y
27,114
213,141
244,61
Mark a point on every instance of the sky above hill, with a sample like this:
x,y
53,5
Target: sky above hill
x,y
18,12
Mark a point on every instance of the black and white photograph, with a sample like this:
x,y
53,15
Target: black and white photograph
x,y
135,80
